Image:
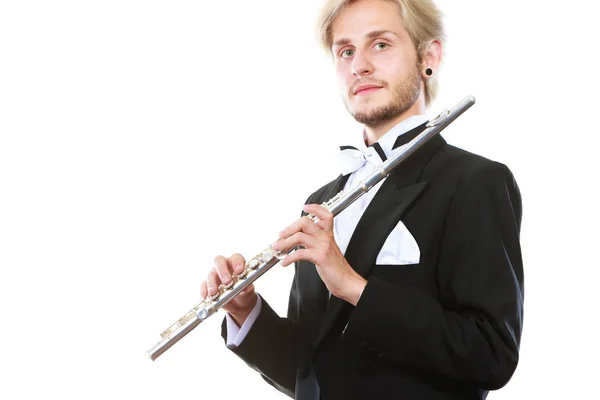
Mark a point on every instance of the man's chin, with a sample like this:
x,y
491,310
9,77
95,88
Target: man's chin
x,y
366,112
369,119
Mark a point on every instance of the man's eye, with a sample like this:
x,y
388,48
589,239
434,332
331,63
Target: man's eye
x,y
381,46
347,53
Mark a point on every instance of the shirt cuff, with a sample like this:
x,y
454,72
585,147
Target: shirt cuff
x,y
236,334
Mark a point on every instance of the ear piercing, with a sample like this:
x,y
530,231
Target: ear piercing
x,y
428,72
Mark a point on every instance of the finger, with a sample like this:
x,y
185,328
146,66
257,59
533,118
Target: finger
x,y
296,226
203,290
301,225
297,239
223,269
212,282
325,216
301,254
237,262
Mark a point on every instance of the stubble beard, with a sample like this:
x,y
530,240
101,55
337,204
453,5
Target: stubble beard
x,y
404,95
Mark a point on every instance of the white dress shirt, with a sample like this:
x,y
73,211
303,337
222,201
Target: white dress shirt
x,y
345,222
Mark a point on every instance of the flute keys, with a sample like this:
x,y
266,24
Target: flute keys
x,y
203,314
230,284
267,255
253,264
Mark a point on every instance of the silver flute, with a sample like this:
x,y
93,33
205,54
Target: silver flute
x,y
262,262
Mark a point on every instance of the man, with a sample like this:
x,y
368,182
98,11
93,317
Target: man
x,y
415,291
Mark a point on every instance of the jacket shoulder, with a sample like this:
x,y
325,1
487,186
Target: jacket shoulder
x,y
464,165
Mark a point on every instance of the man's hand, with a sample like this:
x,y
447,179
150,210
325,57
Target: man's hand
x,y
241,305
321,249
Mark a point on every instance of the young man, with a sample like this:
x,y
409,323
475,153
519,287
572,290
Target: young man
x,y
415,291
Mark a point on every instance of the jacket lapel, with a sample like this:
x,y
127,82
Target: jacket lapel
x,y
395,196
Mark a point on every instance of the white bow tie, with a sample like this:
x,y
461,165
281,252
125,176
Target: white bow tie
x,y
351,159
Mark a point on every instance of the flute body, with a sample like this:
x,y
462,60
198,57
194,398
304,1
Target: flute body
x,y
265,260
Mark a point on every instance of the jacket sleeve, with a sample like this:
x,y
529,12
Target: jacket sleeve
x,y
472,334
269,347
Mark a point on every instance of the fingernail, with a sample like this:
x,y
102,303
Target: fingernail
x,y
238,268
211,290
274,245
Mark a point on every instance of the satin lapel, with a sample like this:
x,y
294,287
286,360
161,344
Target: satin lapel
x,y
334,188
400,189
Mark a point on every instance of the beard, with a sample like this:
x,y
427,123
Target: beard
x,y
404,95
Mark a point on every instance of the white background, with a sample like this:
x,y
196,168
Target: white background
x,y
139,139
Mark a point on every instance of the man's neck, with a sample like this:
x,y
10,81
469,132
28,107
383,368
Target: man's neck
x,y
374,133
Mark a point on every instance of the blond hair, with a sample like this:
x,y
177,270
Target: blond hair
x,y
422,20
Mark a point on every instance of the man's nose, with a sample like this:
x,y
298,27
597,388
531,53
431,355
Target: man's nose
x,y
361,65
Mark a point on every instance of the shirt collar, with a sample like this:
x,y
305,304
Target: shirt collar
x,y
386,142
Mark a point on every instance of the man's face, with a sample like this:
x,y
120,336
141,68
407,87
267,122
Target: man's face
x,y
376,61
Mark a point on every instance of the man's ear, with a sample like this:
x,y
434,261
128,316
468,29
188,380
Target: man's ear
x,y
431,57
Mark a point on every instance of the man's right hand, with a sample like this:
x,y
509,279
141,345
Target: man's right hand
x,y
242,304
